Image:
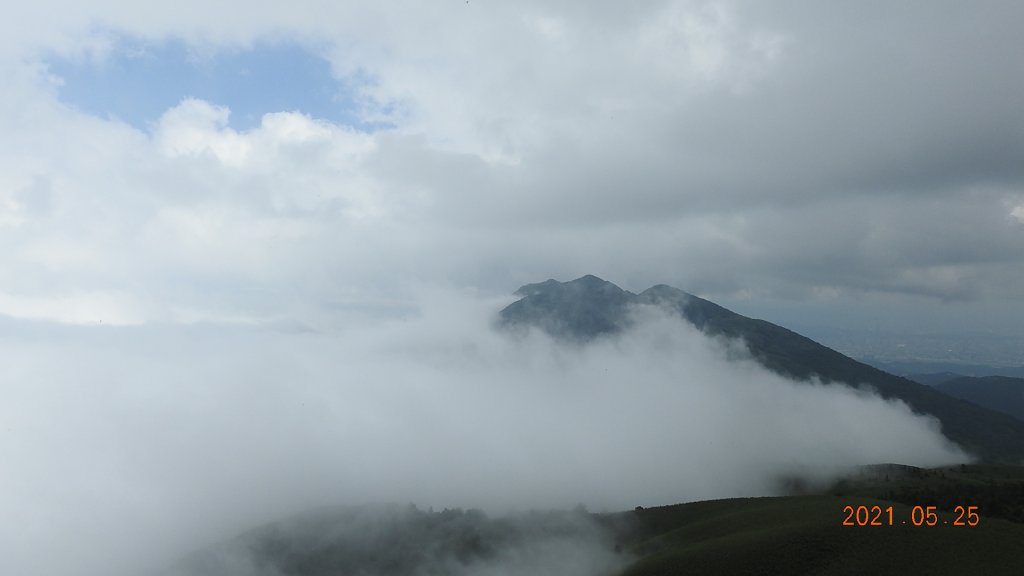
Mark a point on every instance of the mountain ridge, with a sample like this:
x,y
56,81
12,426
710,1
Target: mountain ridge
x,y
589,307
999,393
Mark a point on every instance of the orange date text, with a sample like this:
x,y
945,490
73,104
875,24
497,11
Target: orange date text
x,y
919,516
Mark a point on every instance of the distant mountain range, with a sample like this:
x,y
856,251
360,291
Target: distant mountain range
x,y
999,393
589,307
913,369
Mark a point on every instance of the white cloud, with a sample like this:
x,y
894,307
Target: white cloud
x,y
195,127
113,308
550,27
685,135
129,446
705,45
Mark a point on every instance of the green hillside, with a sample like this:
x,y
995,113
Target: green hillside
x,y
997,490
791,535
805,535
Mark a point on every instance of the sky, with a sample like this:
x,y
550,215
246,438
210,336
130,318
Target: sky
x,y
138,80
208,210
802,163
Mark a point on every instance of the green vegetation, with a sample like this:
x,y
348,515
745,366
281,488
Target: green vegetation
x,y
997,490
781,535
805,535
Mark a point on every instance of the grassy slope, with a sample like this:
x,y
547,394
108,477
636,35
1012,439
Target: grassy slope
x,y
804,535
786,535
997,490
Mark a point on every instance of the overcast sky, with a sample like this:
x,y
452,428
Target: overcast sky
x,y
224,224
191,161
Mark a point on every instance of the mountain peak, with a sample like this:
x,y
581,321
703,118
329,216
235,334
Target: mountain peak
x,y
578,310
589,307
663,293
590,280
587,282
527,290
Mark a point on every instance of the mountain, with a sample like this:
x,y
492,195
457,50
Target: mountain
x,y
933,378
913,368
579,310
1000,393
589,307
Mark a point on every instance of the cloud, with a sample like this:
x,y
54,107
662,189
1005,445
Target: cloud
x,y
131,445
696,143
404,539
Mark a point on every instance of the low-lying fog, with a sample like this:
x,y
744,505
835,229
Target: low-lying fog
x,y
123,448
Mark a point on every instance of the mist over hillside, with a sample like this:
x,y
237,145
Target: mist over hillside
x,y
403,540
587,308
158,440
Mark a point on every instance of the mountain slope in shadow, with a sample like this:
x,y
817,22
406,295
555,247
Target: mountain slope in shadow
x,y
1000,393
589,307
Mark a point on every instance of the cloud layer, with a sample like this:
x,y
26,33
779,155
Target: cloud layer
x,y
130,445
697,143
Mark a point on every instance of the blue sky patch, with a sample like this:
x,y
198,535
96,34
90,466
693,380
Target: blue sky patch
x,y
139,81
